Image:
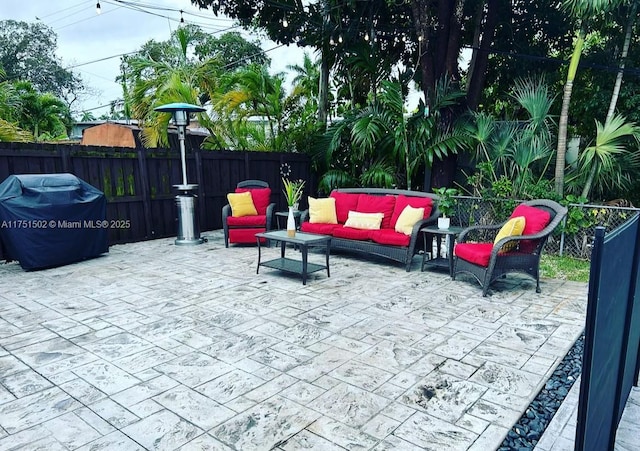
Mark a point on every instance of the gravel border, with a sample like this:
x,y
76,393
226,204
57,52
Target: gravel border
x,y
527,431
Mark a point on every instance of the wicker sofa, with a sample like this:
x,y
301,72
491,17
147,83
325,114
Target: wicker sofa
x,y
385,242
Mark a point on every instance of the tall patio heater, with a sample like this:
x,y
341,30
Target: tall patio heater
x,y
188,227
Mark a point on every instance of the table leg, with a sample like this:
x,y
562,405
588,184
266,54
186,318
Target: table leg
x,y
452,242
424,250
283,246
258,268
327,258
303,249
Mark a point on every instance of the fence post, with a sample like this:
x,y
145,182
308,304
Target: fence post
x,y
146,200
564,225
64,157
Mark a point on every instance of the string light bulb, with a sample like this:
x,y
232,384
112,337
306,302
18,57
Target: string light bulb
x,y
366,37
98,8
285,23
181,18
340,38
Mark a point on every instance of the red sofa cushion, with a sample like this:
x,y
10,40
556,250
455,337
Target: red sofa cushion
x,y
368,203
320,228
261,198
247,221
351,233
245,235
416,202
477,253
535,221
345,202
390,237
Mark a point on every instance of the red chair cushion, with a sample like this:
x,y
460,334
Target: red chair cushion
x,y
368,203
261,198
390,237
535,221
244,236
345,202
247,221
352,234
416,202
477,253
320,228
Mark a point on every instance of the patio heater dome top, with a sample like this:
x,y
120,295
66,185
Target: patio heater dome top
x,y
171,107
180,112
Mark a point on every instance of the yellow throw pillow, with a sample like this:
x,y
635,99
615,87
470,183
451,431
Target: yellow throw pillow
x,y
241,204
366,221
513,227
322,211
408,219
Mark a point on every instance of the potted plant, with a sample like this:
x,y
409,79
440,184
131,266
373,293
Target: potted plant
x,y
293,190
446,204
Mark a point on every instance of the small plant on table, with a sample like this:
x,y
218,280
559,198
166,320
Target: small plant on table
x,y
446,205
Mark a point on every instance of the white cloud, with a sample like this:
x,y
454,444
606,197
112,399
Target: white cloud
x,y
84,36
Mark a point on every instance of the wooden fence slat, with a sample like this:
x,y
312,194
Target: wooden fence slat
x,y
139,183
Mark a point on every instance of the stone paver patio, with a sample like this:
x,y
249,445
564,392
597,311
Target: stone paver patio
x,y
157,346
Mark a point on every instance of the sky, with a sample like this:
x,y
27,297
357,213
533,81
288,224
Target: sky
x,y
90,44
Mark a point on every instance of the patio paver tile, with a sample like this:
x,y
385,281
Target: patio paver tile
x,y
157,346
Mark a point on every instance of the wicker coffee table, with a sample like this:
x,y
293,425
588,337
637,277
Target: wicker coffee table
x,y
302,241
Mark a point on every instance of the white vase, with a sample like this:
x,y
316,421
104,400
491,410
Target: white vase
x,y
291,223
444,223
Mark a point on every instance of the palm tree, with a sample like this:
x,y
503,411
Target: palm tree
x,y
157,81
379,145
253,93
583,11
623,57
518,150
604,156
307,79
9,108
42,114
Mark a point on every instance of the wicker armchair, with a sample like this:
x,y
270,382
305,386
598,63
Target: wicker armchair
x,y
243,229
525,258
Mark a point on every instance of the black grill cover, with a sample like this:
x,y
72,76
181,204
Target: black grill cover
x,y
51,219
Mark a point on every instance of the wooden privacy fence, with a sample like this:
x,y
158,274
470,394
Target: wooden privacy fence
x,y
138,183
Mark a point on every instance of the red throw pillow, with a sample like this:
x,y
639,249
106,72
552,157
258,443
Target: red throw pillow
x,y
261,198
345,202
535,219
368,203
416,202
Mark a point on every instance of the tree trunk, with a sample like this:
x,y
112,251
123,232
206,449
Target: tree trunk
x,y
586,190
475,45
453,49
563,121
477,78
323,88
445,11
421,20
443,171
623,58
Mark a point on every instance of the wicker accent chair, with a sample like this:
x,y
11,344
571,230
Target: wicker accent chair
x,y
487,261
242,230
